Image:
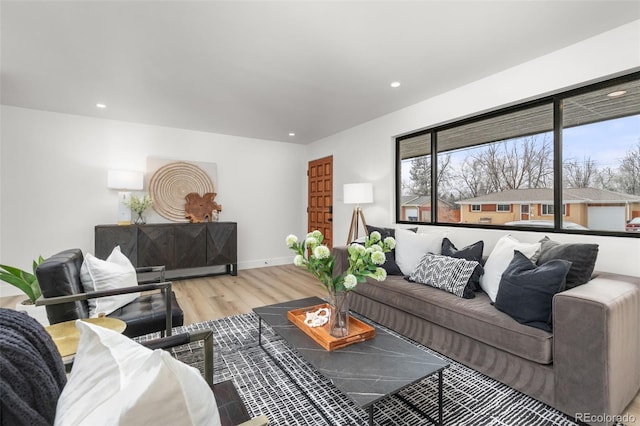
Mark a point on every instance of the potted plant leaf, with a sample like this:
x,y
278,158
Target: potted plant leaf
x,y
28,284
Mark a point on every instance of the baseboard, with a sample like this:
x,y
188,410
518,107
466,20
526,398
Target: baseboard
x,y
251,264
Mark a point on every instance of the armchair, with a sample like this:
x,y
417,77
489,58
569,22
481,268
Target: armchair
x,y
28,356
64,297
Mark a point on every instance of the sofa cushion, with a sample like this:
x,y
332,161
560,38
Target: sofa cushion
x,y
475,318
526,290
390,265
499,259
411,247
470,252
114,273
457,276
582,257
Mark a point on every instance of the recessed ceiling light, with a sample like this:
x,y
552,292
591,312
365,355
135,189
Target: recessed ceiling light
x,y
291,134
616,93
395,84
101,106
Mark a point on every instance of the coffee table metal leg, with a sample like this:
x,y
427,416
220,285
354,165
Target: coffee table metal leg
x,y
371,415
283,369
439,421
440,397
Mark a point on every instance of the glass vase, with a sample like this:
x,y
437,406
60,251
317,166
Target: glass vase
x,y
339,320
140,220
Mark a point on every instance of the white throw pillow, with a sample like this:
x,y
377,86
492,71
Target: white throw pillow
x,y
498,261
116,381
113,273
411,247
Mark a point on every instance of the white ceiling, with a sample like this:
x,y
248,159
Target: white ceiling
x,y
263,69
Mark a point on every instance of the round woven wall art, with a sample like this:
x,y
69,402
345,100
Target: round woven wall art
x,y
171,183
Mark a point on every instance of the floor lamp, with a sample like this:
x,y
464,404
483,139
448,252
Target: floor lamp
x,y
357,193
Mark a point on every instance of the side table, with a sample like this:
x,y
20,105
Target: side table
x,y
66,335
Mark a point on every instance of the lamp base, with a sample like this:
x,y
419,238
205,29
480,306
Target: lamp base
x,y
353,229
124,211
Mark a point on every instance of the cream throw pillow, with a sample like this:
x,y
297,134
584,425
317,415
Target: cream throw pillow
x,y
411,248
113,273
116,381
498,261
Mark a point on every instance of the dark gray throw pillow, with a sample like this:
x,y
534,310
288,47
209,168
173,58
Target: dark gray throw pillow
x,y
526,290
582,257
447,273
471,252
390,264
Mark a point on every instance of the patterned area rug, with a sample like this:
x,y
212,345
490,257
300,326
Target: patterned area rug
x,y
470,398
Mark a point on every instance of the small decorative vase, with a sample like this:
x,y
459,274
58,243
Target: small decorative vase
x,y
140,220
339,320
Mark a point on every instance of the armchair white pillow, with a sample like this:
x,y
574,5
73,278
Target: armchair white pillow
x,y
114,273
116,381
499,260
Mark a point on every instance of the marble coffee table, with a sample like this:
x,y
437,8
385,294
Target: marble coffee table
x,y
366,372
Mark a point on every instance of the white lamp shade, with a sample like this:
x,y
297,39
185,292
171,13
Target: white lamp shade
x,y
123,179
358,193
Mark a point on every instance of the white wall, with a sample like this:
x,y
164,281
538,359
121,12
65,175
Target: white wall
x,y
53,174
367,152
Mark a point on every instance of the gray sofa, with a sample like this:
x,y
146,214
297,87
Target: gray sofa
x,y
589,365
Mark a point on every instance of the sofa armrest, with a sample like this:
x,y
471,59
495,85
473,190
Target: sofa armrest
x,y
342,260
596,342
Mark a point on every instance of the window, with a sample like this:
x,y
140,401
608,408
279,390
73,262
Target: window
x,y
480,163
499,161
601,156
547,209
415,172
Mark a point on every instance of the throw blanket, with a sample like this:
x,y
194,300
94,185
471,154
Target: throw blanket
x,y
31,371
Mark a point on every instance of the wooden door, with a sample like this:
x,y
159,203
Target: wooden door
x,y
320,202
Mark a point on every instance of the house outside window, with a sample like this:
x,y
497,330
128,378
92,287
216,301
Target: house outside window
x,y
475,207
504,207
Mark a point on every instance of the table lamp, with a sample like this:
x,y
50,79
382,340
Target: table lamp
x,y
357,193
125,181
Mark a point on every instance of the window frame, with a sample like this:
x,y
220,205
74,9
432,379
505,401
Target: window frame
x,y
508,210
557,101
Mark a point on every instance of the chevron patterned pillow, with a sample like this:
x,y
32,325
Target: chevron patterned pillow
x,y
447,273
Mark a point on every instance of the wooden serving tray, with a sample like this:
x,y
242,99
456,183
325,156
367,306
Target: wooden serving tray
x,y
358,330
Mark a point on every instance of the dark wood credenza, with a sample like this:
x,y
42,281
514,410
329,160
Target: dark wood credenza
x,y
174,245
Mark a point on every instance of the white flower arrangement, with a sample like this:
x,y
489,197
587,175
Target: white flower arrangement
x,y
364,260
139,204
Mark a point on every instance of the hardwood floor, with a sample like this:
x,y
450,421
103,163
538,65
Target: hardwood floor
x,y
224,295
